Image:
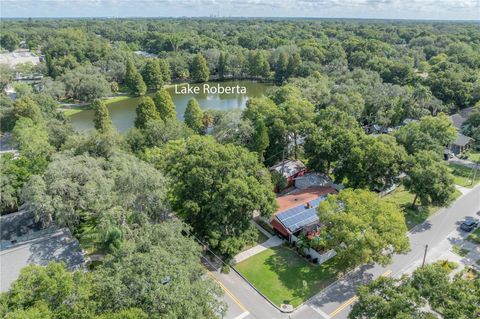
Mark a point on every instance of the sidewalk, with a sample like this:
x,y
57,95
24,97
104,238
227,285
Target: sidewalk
x,y
271,242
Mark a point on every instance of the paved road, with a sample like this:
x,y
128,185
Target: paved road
x,y
336,300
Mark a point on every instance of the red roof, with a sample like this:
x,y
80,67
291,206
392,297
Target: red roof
x,y
302,197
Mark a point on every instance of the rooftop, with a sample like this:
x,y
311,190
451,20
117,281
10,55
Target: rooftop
x,y
50,245
462,140
289,167
301,197
302,215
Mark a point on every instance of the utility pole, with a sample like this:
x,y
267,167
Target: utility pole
x,y
425,255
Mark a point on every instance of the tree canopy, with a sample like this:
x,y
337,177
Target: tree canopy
x,y
362,228
216,189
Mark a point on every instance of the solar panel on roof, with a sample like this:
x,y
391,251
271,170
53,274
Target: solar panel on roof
x,y
299,216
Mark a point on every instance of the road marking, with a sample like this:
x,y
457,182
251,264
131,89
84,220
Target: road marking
x,y
354,298
243,315
229,293
320,312
343,306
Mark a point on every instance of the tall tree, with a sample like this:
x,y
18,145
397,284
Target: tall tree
x,y
389,298
134,79
281,68
429,179
152,74
31,139
260,138
216,188
373,163
101,120
164,104
146,111
222,65
331,138
193,116
362,228
199,69
165,70
27,107
145,283
431,133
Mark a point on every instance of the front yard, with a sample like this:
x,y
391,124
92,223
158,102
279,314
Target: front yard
x,y
413,216
284,277
463,175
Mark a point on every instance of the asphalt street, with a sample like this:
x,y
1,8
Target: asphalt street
x,y
337,300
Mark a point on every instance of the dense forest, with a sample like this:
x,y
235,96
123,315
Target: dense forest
x,y
152,193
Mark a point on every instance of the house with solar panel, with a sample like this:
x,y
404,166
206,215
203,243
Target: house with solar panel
x,y
298,216
298,210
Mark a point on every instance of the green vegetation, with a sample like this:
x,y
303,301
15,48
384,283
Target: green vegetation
x,y
362,228
464,176
413,215
259,238
337,80
429,287
474,156
460,251
284,277
474,237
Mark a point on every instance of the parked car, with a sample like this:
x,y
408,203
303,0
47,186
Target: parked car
x,y
469,224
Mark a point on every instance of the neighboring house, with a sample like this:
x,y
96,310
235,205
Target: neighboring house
x,y
312,179
461,144
145,54
297,211
290,169
19,57
24,241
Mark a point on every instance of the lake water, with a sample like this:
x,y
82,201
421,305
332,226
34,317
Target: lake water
x,y
123,112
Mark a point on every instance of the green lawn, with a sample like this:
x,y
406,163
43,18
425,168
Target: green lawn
x,y
475,236
460,251
74,110
463,175
285,277
473,156
413,216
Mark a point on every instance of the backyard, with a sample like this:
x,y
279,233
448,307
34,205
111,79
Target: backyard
x,y
284,277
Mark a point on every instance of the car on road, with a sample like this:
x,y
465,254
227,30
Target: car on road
x,y
469,224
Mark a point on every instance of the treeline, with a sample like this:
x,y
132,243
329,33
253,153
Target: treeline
x,y
443,57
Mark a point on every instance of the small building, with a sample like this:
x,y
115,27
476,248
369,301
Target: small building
x,y
461,144
298,210
290,169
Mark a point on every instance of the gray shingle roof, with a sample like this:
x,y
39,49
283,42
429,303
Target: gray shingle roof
x,y
462,140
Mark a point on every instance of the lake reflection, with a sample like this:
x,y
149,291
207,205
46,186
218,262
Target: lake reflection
x,y
123,112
